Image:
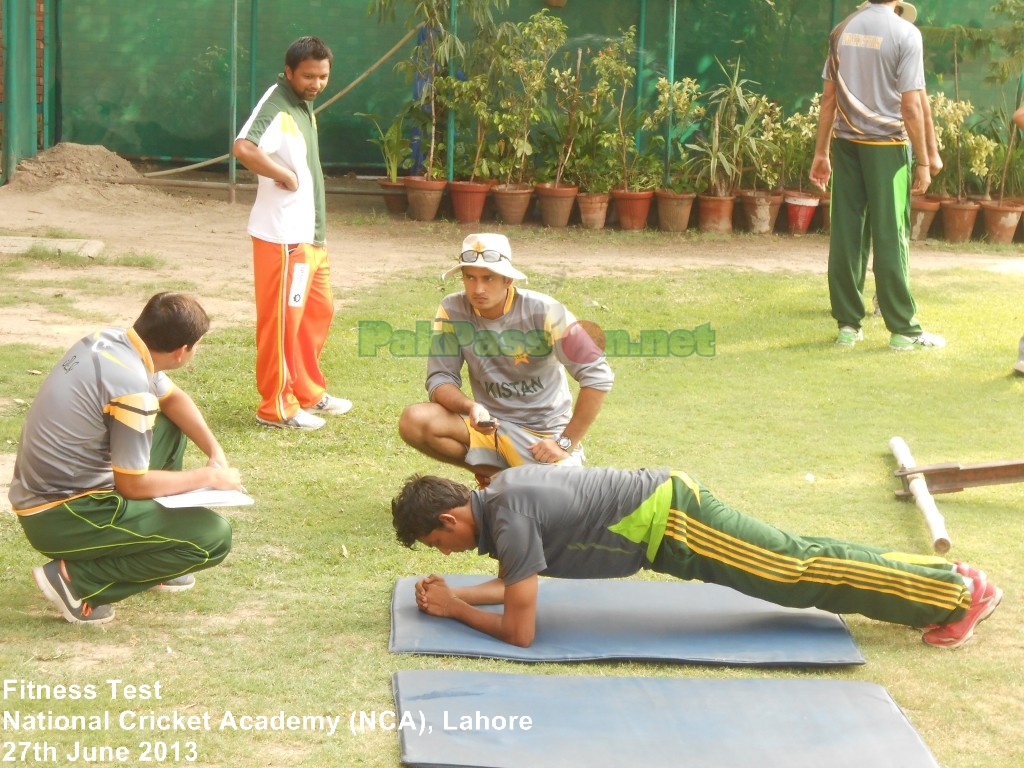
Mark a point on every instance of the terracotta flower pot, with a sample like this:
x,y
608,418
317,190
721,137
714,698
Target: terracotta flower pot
x,y
760,210
674,209
397,204
714,214
555,203
468,198
799,212
1001,220
958,217
424,197
512,201
632,208
593,209
922,214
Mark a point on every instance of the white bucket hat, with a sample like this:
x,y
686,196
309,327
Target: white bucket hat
x,y
487,251
906,10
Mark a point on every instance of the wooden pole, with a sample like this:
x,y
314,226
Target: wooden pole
x,y
922,496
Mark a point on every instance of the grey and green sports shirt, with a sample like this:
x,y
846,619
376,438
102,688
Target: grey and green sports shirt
x,y
93,414
558,521
874,57
517,363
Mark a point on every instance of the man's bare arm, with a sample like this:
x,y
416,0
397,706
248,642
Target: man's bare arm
x,y
584,413
821,165
913,119
516,624
929,135
182,411
489,593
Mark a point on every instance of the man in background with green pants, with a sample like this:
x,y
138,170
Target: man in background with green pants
x,y
872,104
105,436
601,523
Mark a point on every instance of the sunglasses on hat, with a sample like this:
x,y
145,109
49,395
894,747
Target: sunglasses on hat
x,y
491,256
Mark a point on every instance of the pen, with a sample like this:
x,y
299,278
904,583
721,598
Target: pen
x,y
215,465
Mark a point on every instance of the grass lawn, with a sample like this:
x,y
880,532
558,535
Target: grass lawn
x,y
778,422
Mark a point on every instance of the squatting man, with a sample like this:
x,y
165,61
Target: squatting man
x,y
590,523
521,411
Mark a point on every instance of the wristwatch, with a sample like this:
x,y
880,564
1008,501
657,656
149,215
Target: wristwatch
x,y
565,443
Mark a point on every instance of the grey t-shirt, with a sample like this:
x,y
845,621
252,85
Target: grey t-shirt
x,y
874,58
92,415
553,520
517,362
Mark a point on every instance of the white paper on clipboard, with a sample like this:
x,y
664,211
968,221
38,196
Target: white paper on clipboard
x,y
205,497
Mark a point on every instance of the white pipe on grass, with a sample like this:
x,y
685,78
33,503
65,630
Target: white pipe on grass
x,y
922,496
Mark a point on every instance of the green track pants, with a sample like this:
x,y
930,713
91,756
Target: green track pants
x,y
708,541
871,213
115,547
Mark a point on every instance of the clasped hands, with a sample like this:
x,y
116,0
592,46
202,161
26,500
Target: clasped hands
x,y
434,596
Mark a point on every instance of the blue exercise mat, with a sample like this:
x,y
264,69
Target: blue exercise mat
x,y
649,722
630,619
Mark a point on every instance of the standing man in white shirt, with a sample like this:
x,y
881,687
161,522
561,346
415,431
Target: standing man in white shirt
x,y
291,268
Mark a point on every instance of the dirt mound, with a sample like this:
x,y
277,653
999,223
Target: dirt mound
x,y
69,163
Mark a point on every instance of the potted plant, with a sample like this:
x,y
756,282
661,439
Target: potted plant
x,y
637,175
964,154
795,139
731,122
470,99
557,133
675,112
525,58
1001,214
762,162
395,149
437,47
594,169
424,190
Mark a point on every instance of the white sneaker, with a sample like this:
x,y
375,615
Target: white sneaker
x,y
301,420
925,341
332,405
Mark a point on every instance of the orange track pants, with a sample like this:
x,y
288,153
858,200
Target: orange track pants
x,y
294,307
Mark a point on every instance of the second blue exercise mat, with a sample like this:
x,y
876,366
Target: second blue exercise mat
x,y
487,720
604,619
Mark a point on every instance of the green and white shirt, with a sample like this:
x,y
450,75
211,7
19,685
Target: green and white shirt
x,y
283,125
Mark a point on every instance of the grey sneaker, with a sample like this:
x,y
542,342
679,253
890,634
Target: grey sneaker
x,y
903,343
332,405
849,336
301,420
52,584
179,584
1018,368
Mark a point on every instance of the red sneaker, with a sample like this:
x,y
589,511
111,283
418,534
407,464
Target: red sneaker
x,y
971,572
984,600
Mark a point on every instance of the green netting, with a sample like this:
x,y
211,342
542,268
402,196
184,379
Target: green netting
x,y
17,97
152,78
